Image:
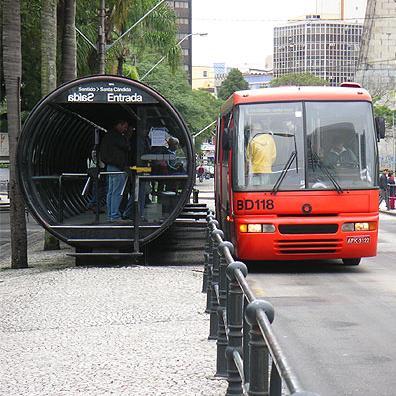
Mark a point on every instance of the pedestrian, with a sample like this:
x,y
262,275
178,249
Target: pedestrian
x,y
391,189
383,186
200,172
114,150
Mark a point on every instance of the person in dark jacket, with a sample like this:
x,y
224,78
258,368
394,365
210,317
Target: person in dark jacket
x,y
114,150
383,185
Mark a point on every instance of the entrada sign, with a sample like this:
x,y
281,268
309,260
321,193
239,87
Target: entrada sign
x,y
105,92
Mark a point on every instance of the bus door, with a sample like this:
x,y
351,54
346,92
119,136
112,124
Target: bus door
x,y
227,125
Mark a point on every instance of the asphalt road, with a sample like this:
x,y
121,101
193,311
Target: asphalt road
x,y
336,323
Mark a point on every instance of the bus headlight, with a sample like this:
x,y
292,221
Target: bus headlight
x,y
348,227
256,228
361,226
364,226
268,228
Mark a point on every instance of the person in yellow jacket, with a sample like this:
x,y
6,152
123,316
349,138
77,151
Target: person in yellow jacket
x,y
261,154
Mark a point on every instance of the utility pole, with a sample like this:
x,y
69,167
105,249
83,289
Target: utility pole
x,y
102,37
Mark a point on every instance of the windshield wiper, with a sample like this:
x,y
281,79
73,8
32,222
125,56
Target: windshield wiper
x,y
327,173
287,166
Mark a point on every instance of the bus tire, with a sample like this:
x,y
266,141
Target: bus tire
x,y
351,261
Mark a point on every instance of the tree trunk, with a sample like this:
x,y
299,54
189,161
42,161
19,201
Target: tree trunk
x,y
48,46
120,64
12,63
69,64
48,73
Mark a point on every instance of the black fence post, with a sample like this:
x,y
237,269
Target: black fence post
x,y
195,195
215,284
221,363
245,346
235,320
206,255
258,350
213,224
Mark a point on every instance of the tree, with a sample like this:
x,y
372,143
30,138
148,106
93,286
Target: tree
x,y
233,82
156,31
298,79
198,108
387,113
69,44
48,73
31,36
48,46
12,63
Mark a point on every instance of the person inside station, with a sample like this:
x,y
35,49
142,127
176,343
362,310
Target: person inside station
x,y
114,152
260,154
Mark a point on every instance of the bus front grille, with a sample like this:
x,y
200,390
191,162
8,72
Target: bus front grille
x,y
308,228
308,246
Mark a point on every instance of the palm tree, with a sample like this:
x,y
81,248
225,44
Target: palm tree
x,y
48,73
156,32
69,46
48,46
12,63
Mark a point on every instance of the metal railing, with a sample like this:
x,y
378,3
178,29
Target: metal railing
x,y
249,355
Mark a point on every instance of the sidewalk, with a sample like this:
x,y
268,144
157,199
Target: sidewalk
x,y
112,330
383,209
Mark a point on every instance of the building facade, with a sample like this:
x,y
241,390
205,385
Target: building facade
x,y
326,48
203,77
257,78
376,70
183,10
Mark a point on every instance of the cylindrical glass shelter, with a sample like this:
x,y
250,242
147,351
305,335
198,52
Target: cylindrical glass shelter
x,y
65,182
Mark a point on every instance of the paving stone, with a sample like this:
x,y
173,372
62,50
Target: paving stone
x,y
67,330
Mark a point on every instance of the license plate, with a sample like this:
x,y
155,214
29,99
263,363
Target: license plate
x,y
358,239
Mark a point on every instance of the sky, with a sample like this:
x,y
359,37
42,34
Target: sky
x,y
240,32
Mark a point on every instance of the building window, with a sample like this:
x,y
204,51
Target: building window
x,y
181,4
183,21
205,73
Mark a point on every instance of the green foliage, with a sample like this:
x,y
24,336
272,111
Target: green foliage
x,y
198,108
298,79
233,82
388,114
130,72
31,58
156,33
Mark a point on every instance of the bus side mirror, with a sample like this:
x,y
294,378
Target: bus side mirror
x,y
380,127
226,140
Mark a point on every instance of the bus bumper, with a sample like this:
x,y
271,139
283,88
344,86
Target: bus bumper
x,y
306,238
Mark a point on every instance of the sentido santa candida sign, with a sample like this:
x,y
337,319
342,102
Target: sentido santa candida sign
x,y
105,92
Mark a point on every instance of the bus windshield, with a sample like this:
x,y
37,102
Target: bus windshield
x,y
310,145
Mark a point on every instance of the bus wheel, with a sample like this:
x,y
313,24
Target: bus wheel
x,y
351,261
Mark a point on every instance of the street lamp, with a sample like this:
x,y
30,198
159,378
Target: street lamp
x,y
178,43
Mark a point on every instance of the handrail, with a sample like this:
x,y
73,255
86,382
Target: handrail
x,y
241,324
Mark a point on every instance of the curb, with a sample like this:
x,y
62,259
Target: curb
x,y
388,212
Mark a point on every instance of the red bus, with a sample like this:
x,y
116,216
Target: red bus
x,y
296,173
